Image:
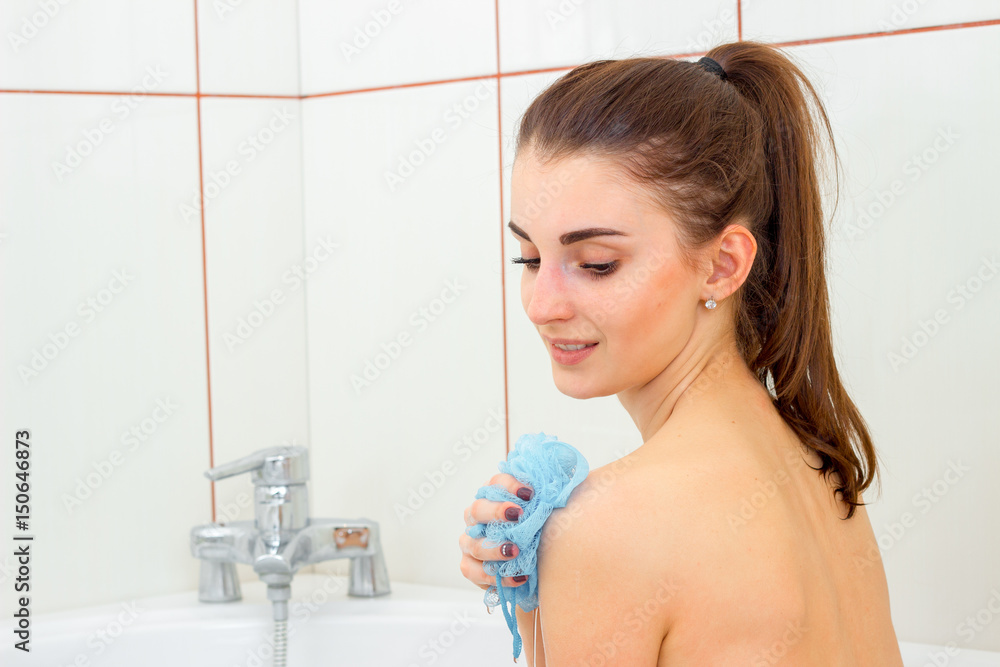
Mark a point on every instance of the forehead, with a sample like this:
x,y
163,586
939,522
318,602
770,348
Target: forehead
x,y
579,189
576,172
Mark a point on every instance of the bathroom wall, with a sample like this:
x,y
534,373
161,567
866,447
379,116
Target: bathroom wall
x,y
347,286
143,336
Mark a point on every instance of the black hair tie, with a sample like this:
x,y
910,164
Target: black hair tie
x,y
710,65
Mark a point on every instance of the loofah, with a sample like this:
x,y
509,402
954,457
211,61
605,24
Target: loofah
x,y
552,469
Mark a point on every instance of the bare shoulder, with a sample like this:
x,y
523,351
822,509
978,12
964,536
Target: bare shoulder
x,y
698,508
600,602
710,496
635,520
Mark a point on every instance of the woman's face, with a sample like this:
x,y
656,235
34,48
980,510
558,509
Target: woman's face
x,y
621,289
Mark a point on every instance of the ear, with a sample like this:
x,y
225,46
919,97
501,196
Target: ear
x,y
731,259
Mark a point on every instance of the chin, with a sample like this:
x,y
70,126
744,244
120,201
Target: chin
x,y
575,388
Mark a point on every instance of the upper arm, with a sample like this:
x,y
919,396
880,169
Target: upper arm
x,y
599,594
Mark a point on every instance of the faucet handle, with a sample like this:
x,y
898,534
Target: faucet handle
x,y
273,466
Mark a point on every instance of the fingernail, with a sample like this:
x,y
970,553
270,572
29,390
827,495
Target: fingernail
x,y
512,513
524,493
507,550
521,577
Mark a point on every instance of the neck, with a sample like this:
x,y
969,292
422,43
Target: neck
x,y
701,371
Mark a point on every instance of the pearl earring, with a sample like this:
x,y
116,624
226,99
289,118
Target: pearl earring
x,y
710,304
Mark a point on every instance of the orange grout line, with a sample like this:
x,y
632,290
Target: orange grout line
x,y
251,96
817,40
739,20
889,33
144,94
398,85
503,260
204,263
543,70
94,92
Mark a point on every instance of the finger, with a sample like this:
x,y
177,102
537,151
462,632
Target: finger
x,y
474,547
483,511
512,484
509,581
472,569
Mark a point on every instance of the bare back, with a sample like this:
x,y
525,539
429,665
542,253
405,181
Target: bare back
x,y
770,573
762,570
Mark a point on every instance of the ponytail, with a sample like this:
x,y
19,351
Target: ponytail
x,y
796,354
714,150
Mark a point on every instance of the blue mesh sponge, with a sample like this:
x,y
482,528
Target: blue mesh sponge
x,y
552,469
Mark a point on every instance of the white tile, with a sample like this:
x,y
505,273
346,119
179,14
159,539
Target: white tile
x,y
599,427
915,227
349,46
103,45
413,299
248,47
141,341
556,33
787,20
258,273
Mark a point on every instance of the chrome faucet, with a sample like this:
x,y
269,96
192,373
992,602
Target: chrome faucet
x,y
282,538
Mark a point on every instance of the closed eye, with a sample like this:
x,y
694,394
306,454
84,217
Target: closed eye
x,y
596,270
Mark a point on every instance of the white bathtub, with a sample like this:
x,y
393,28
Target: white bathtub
x,y
413,626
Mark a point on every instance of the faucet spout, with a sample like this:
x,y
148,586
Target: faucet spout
x,y
282,538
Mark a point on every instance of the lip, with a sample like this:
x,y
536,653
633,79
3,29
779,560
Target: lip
x,y
567,341
570,357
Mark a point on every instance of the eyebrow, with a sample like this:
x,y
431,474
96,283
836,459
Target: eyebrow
x,y
571,237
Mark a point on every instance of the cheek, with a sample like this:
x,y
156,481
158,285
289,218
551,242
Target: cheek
x,y
649,304
667,289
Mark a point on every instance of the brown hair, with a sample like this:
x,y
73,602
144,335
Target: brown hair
x,y
713,152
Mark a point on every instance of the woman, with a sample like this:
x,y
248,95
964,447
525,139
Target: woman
x,y
669,219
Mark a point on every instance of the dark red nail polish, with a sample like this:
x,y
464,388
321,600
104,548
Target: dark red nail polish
x,y
512,513
524,493
521,577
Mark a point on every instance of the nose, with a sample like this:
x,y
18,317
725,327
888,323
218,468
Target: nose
x,y
545,294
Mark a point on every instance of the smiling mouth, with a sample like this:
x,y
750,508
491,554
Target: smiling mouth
x,y
570,348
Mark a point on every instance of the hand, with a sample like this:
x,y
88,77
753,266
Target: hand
x,y
483,511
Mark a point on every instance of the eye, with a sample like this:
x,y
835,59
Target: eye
x,y
530,264
597,270
602,270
